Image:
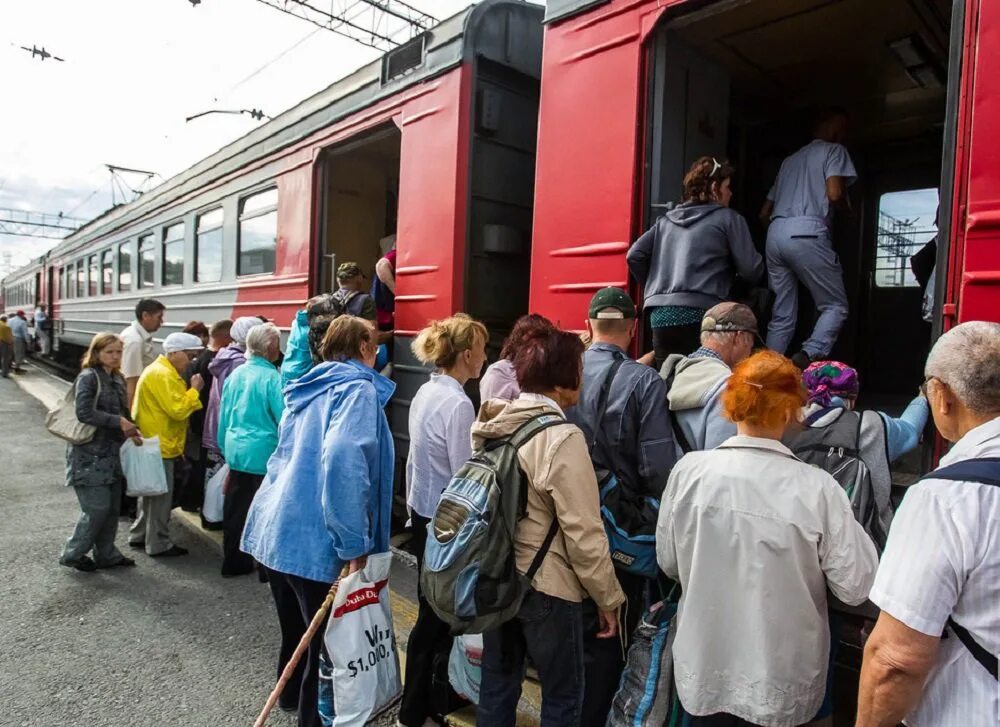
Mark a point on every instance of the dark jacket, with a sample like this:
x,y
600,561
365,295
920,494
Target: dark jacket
x,y
200,366
691,256
636,421
96,463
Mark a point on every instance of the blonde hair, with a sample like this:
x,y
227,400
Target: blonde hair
x,y
441,342
345,338
91,359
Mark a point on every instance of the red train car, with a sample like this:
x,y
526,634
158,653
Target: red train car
x,y
634,90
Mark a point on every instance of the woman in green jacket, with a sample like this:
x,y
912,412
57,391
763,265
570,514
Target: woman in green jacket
x,y
249,414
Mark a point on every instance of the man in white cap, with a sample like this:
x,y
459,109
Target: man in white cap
x,y
161,407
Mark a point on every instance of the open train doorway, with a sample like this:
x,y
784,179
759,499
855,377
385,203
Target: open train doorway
x,y
744,80
359,202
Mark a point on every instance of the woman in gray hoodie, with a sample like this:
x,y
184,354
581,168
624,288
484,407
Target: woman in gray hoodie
x,y
688,260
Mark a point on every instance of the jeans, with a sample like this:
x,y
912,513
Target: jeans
x,y
97,526
550,631
811,261
297,600
429,639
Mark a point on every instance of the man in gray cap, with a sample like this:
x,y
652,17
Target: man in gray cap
x,y
695,383
637,446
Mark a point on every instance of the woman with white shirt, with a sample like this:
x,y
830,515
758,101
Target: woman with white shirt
x,y
440,424
756,537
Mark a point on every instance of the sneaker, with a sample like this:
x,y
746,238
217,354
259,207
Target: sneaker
x,y
802,360
84,563
125,562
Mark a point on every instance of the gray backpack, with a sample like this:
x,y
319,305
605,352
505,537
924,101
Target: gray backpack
x,y
836,448
469,573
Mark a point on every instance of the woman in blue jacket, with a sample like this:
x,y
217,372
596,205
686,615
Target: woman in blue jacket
x,y
326,499
249,414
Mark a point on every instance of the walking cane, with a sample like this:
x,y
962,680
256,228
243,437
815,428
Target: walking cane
x,y
289,669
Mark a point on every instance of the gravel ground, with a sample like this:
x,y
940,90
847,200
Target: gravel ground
x,y
168,642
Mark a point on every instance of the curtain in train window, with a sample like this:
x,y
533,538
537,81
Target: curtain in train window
x,y
258,233
173,255
147,262
208,247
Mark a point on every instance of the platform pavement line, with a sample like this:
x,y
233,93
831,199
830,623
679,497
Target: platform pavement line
x,y
49,390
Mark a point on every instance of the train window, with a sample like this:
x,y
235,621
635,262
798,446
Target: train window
x,y
124,268
258,233
147,262
107,271
907,221
81,278
173,255
208,247
92,276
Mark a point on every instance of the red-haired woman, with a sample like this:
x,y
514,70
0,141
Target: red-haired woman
x,y
688,260
756,537
562,493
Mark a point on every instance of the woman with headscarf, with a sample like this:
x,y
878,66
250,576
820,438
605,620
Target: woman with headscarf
x,y
225,362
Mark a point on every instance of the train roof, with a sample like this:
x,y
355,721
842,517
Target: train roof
x,y
561,9
445,46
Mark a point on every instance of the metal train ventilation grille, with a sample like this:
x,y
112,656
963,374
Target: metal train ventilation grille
x,y
404,59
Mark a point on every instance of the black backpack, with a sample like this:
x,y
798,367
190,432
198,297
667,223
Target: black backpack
x,y
836,449
984,471
469,576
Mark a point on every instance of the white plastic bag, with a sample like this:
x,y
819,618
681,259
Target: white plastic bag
x,y
143,468
362,645
215,499
465,665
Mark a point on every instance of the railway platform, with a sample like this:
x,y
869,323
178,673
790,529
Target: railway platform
x,y
162,643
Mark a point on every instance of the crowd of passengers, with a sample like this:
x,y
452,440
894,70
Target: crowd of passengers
x,y
761,543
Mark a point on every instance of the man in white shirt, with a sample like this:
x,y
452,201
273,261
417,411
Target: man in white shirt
x,y
942,561
42,329
137,352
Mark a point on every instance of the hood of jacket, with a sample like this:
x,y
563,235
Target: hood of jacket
x,y
695,381
689,213
329,374
226,360
498,418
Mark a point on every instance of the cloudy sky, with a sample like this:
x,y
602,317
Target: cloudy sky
x,y
133,71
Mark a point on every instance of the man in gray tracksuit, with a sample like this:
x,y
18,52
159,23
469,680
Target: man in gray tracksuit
x,y
799,211
695,383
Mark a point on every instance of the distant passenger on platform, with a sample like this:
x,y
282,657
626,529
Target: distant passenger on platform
x,y
695,383
138,339
798,214
931,660
689,259
162,405
94,469
756,539
630,437
326,500
6,347
199,329
440,426
22,339
249,414
499,381
299,356
42,330
225,362
193,496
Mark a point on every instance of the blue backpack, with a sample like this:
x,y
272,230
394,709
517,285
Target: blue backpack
x,y
629,518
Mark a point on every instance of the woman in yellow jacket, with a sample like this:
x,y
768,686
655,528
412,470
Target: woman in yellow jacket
x,y
161,407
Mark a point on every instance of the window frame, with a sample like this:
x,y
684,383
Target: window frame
x,y
107,262
81,278
124,247
93,274
241,218
145,243
882,254
164,241
198,232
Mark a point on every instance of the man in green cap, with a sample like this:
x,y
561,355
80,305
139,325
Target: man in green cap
x,y
637,445
353,292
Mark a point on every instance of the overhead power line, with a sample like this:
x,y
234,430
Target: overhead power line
x,y
22,223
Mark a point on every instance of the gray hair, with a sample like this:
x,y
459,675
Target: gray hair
x,y
967,359
260,337
718,336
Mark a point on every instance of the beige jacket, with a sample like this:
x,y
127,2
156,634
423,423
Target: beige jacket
x,y
562,485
